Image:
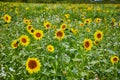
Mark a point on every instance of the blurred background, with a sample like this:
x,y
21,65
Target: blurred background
x,y
63,1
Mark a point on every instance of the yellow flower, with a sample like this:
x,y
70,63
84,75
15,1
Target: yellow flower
x,y
59,34
47,25
74,31
88,29
63,26
98,35
7,18
24,40
114,59
14,44
96,42
97,20
67,15
81,24
38,34
26,21
50,48
87,21
29,27
87,44
33,65
27,8
113,19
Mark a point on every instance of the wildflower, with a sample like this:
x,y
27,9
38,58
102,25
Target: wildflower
x,y
59,34
63,26
14,44
47,25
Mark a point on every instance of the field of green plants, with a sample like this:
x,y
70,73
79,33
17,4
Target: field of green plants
x,y
59,41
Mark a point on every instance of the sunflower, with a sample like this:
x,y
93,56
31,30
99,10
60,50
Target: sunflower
x,y
26,21
14,44
114,59
63,26
87,29
33,65
47,25
30,29
67,16
38,34
74,31
87,21
50,48
7,18
24,40
81,24
87,44
97,20
96,42
98,35
59,34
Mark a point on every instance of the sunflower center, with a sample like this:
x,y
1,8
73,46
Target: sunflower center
x,y
87,44
98,35
38,34
50,48
6,18
63,26
32,31
59,34
24,40
29,27
47,25
115,59
32,64
15,45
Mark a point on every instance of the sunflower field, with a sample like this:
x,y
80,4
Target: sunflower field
x,y
59,41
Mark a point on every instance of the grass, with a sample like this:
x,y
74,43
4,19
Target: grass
x,y
69,61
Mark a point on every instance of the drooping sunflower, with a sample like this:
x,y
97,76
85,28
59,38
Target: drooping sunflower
x,y
98,35
63,26
14,44
114,59
59,34
50,48
47,25
87,44
38,34
24,40
7,18
33,65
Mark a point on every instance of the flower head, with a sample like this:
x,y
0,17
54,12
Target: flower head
x,y
114,59
38,34
7,18
63,26
98,35
14,44
24,40
59,34
33,65
47,25
87,44
50,48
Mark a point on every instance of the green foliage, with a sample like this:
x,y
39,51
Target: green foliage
x,y
69,61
